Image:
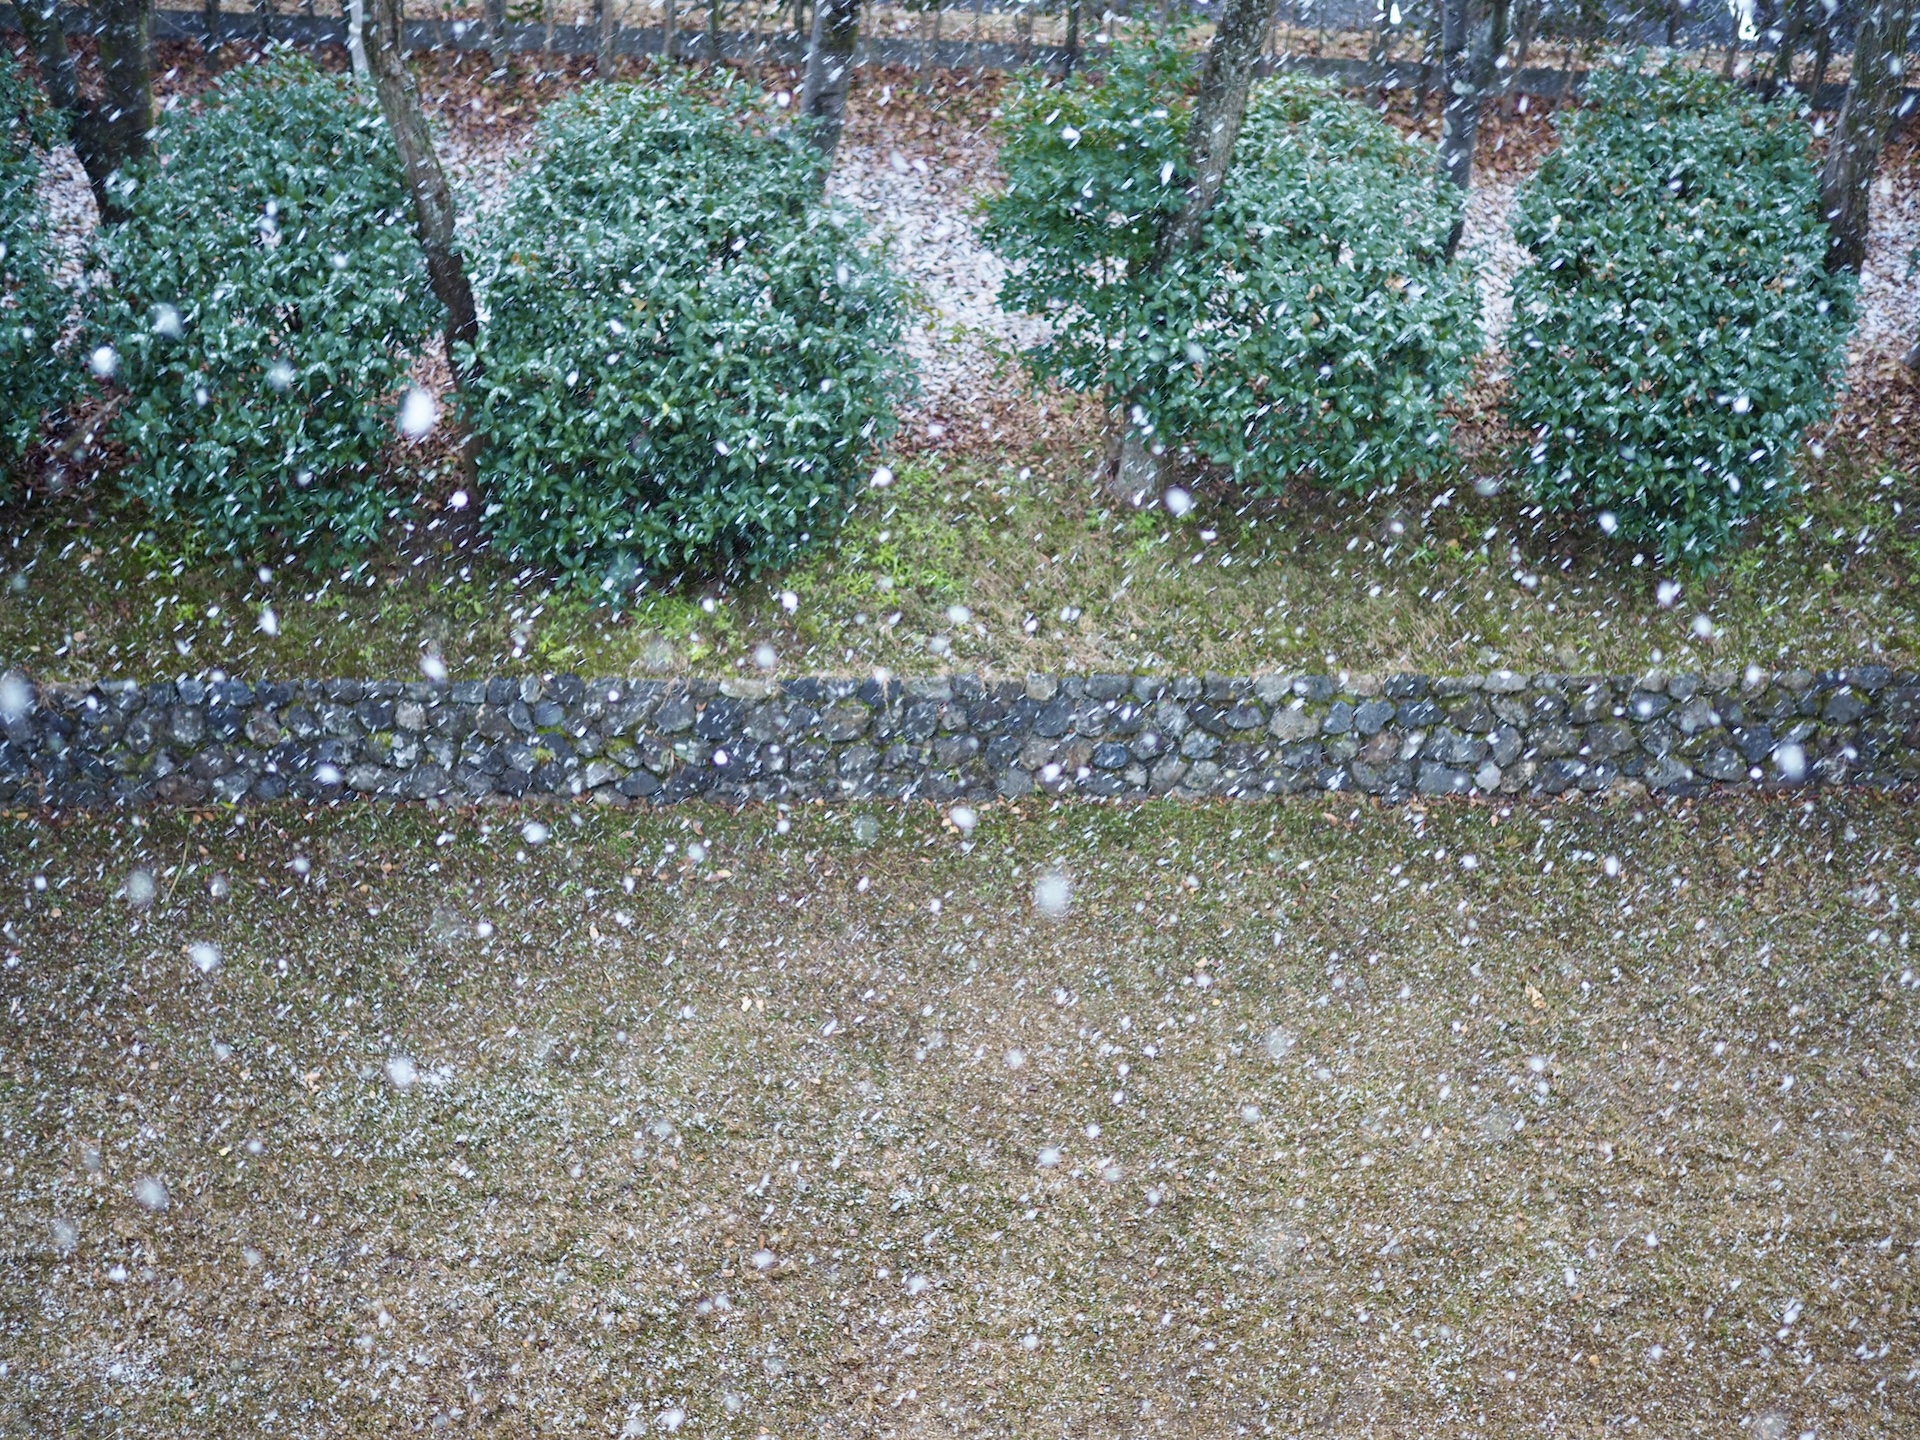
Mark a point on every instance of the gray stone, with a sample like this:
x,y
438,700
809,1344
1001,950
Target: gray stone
x,y
1293,724
1844,706
1372,717
1723,763
1554,741
1435,779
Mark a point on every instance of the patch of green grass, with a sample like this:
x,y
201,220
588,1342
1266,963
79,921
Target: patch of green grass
x,y
1049,575
1369,1121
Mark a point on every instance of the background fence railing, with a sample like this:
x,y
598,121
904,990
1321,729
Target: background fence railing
x,y
1347,40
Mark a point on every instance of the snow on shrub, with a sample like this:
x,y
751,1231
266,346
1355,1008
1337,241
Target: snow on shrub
x,y
33,380
688,354
1317,331
1676,331
267,295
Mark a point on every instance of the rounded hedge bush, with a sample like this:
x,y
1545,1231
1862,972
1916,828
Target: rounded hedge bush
x,y
687,354
33,309
1316,332
1676,331
267,296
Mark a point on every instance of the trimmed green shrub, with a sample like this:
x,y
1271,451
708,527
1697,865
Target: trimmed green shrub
x,y
267,296
1316,332
33,310
687,353
1677,330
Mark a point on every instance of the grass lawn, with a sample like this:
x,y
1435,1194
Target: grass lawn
x,y
1011,565
1573,1119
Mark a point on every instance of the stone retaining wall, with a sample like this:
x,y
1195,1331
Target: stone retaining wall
x,y
1107,736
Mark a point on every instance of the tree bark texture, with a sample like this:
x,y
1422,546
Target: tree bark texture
x,y
427,184
823,93
1219,107
1846,180
1471,65
112,130
603,19
496,18
356,11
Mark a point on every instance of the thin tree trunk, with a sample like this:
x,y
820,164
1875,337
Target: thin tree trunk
x,y
1526,21
1780,70
1472,66
210,18
496,13
427,185
823,93
112,130
1380,49
603,25
1073,38
713,32
357,38
126,72
1846,180
1429,52
60,76
1822,53
666,33
1219,107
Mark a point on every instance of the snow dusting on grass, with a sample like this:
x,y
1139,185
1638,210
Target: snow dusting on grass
x,y
1312,1125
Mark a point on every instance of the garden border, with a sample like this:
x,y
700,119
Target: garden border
x,y
947,738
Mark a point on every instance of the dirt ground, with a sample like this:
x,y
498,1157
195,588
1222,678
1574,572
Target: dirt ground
x,y
1164,1121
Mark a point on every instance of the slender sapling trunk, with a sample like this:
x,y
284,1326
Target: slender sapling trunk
x,y
1853,155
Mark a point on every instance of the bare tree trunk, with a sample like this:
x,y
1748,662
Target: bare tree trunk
x,y
603,56
1219,106
263,22
1456,61
427,184
823,94
60,76
357,39
1377,51
497,45
1846,180
1822,53
126,72
1472,67
1073,39
210,18
1780,69
666,32
112,130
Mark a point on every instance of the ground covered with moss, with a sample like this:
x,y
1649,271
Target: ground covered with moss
x,y
1171,1120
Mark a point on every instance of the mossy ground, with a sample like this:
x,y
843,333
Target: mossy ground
x,y
1047,575
1581,1119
